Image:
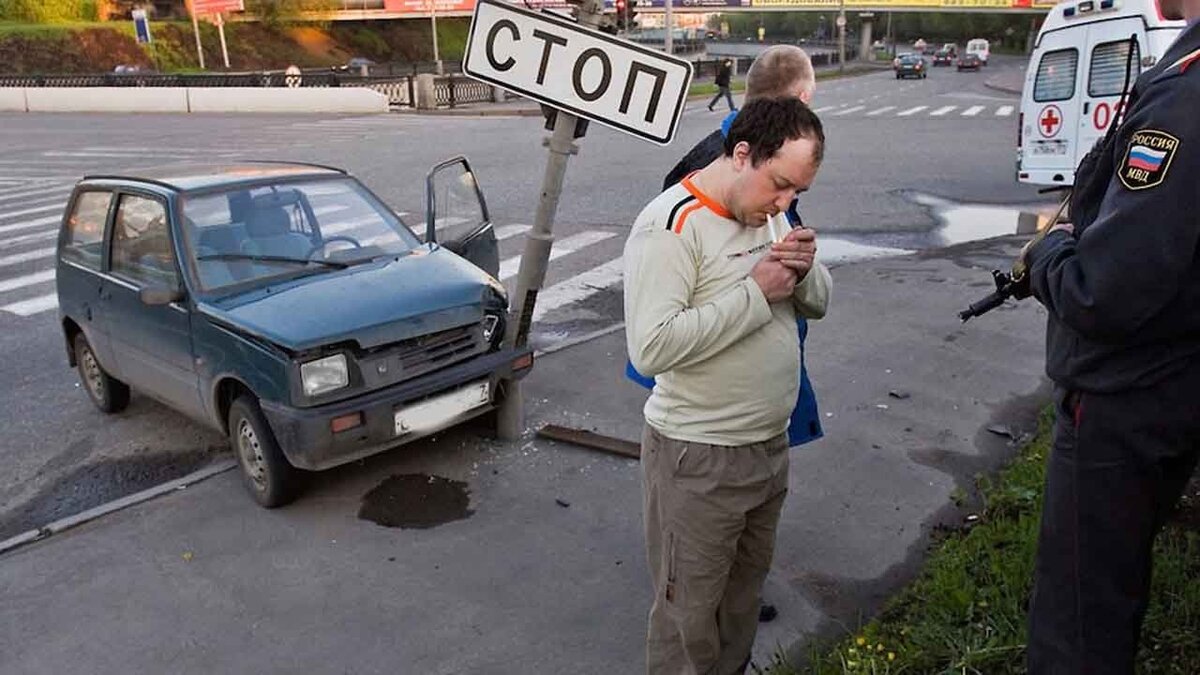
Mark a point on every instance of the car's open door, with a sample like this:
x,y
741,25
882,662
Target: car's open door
x,y
456,214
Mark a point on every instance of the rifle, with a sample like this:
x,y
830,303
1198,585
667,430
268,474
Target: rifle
x,y
1014,283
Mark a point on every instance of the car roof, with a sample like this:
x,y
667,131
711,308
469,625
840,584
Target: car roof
x,y
190,177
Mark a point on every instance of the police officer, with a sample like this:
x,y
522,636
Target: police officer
x,y
1122,290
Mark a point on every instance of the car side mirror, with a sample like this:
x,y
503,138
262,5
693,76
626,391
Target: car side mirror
x,y
156,296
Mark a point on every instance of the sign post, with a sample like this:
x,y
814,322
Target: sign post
x,y
141,26
582,73
215,8
196,29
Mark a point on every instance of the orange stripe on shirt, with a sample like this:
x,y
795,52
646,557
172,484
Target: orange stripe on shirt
x,y
704,199
683,216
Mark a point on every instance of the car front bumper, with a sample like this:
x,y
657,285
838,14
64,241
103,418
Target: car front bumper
x,y
308,441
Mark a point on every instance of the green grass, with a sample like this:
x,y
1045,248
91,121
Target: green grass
x,y
965,612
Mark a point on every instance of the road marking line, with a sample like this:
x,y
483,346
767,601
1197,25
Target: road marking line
x,y
847,111
37,209
881,110
26,238
579,287
33,193
972,111
1004,111
19,258
30,224
827,107
509,231
510,266
942,111
42,303
912,111
26,280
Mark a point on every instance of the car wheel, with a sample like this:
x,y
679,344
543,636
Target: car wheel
x,y
266,473
108,393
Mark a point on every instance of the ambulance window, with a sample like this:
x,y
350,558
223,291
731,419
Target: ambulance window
x,y
1107,74
1056,76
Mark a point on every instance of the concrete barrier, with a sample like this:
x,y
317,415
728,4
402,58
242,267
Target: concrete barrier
x,y
12,99
281,100
106,99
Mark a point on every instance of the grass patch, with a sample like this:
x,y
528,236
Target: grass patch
x,y
965,613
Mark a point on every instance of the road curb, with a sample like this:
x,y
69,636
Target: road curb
x,y
1000,87
125,502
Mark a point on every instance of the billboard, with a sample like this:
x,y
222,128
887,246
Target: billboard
x,y
216,6
898,5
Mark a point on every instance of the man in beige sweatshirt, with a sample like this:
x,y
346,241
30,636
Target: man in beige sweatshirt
x,y
711,302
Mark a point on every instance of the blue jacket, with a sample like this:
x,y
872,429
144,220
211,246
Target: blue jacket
x,y
805,423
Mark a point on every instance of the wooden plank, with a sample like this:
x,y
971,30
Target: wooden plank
x,y
592,440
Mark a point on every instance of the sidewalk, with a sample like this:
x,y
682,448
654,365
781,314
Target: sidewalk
x,y
204,581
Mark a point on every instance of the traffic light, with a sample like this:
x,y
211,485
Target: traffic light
x,y
624,17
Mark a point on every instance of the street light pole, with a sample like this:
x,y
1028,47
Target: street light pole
x,y
841,25
433,23
669,44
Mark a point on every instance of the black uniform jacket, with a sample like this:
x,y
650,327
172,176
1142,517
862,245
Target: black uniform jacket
x,y
1123,292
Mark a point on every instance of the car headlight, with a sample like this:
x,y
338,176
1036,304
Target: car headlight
x,y
324,375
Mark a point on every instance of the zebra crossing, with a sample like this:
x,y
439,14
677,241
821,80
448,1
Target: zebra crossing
x,y
857,109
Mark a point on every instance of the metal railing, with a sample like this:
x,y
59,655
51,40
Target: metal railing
x,y
452,90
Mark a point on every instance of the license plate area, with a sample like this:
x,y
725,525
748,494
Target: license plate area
x,y
435,413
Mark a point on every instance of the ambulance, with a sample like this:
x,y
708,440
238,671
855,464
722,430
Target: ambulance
x,y
1073,83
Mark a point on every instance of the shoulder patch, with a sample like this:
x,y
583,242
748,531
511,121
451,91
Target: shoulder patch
x,y
1147,159
671,224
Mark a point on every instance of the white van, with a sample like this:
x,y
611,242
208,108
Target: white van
x,y
980,48
1073,83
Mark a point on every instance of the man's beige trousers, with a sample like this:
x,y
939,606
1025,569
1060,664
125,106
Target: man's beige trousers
x,y
710,513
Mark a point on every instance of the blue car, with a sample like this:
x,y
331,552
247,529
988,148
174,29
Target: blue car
x,y
286,306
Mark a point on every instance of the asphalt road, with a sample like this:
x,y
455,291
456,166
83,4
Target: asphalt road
x,y
888,143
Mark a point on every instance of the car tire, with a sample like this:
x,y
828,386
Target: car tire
x,y
271,480
108,393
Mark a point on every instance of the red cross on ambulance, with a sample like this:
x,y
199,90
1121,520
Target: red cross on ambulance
x,y
1050,121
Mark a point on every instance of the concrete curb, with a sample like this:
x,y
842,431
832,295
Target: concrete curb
x,y
990,83
67,523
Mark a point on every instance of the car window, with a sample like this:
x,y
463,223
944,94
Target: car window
x,y
85,229
1055,80
1106,76
246,235
141,243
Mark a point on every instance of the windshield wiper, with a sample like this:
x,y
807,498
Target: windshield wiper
x,y
273,258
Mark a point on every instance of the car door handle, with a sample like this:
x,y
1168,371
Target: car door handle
x,y
1087,105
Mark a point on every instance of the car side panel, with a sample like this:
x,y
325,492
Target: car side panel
x,y
222,353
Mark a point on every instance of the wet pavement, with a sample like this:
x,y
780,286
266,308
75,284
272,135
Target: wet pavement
x,y
416,501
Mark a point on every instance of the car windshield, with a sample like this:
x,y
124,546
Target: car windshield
x,y
910,60
252,234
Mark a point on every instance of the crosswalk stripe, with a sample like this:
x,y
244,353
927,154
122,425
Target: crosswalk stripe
x,y
972,111
26,238
32,306
912,111
942,111
824,108
26,280
847,111
33,193
510,266
509,231
29,224
56,206
881,110
1004,111
27,256
578,287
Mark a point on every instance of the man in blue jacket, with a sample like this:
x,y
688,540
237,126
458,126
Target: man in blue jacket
x,y
778,72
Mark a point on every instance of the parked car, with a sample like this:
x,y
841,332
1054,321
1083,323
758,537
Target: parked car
x,y
287,307
969,62
943,57
911,65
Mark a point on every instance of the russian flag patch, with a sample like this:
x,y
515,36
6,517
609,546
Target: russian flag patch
x,y
1147,159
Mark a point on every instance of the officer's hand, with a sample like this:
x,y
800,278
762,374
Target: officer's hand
x,y
776,280
797,250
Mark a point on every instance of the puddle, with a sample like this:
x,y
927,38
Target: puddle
x,y
961,223
416,501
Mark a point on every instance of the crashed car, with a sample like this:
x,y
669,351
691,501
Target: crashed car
x,y
286,306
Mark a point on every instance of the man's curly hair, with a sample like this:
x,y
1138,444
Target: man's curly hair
x,y
767,123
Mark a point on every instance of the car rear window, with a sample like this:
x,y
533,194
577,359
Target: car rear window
x,y
85,228
1106,76
1055,79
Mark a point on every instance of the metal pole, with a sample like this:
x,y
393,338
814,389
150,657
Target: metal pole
x,y
433,22
196,30
669,44
221,32
510,418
